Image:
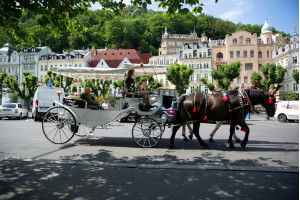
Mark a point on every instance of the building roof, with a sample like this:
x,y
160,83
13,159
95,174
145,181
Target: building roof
x,y
266,28
114,57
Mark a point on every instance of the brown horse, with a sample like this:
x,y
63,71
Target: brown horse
x,y
233,106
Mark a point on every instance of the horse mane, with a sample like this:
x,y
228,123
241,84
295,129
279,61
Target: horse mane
x,y
255,93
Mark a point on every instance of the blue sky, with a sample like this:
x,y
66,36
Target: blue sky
x,y
283,15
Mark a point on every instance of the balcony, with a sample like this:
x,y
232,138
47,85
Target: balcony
x,y
219,59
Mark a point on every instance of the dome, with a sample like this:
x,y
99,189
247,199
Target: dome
x,y
166,33
266,28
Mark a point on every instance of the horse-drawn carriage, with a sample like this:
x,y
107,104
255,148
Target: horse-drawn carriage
x,y
73,117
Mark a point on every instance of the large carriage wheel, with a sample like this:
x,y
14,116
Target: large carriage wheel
x,y
59,125
146,132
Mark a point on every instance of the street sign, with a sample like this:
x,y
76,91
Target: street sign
x,y
49,84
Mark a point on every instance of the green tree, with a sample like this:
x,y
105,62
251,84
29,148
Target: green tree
x,y
2,82
151,83
26,90
273,76
290,96
59,81
74,89
225,74
296,76
210,86
179,75
98,87
257,79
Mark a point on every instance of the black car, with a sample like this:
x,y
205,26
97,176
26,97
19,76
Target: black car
x,y
168,113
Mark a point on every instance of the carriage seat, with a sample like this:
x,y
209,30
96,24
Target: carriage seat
x,y
79,103
134,95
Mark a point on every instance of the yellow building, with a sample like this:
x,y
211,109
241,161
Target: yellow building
x,y
253,52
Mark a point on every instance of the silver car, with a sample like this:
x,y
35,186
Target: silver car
x,y
13,110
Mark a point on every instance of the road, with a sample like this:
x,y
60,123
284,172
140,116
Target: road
x,y
267,167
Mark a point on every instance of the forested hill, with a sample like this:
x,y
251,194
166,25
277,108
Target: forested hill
x,y
133,29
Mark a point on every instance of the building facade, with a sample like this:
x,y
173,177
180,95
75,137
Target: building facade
x,y
253,52
198,56
29,58
9,61
75,58
288,57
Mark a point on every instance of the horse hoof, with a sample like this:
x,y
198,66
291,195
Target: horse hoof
x,y
231,146
190,137
172,145
238,140
185,139
211,140
243,145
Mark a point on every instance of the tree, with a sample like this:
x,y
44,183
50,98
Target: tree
x,y
290,96
62,15
179,75
273,76
257,79
225,74
296,76
151,83
74,89
2,82
97,86
210,86
26,90
59,81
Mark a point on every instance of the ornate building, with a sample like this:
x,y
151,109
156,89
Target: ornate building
x,y
198,56
253,52
9,61
288,57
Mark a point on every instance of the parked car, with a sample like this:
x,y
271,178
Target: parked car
x,y
43,100
287,111
168,114
13,110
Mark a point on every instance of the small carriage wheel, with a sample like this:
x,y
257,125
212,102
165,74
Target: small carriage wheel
x,y
146,132
56,125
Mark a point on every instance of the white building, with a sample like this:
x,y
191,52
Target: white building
x,y
75,58
198,56
9,61
288,57
29,60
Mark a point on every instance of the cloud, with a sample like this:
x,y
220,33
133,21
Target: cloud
x,y
232,15
236,11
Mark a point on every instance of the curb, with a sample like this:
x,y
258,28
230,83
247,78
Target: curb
x,y
159,166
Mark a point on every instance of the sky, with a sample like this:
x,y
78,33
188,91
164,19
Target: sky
x,y
283,15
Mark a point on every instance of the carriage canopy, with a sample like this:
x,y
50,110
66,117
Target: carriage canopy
x,y
111,73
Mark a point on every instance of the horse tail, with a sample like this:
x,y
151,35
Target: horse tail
x,y
179,108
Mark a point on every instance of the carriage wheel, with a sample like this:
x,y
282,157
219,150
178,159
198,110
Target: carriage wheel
x,y
146,132
56,125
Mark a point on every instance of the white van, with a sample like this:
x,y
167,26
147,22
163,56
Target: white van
x,y
287,110
43,100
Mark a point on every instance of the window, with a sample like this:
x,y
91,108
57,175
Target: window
x,y
295,60
206,76
192,77
259,67
198,77
171,61
251,53
248,66
231,54
234,41
190,55
268,54
259,54
238,79
295,86
248,41
204,54
167,83
238,54
267,40
245,79
219,56
192,89
161,62
245,54
41,67
46,68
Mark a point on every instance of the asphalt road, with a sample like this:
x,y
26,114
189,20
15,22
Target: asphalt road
x,y
109,165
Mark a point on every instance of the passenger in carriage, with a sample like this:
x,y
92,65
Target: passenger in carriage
x,y
92,102
146,105
129,80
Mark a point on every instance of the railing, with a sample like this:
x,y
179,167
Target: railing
x,y
219,59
